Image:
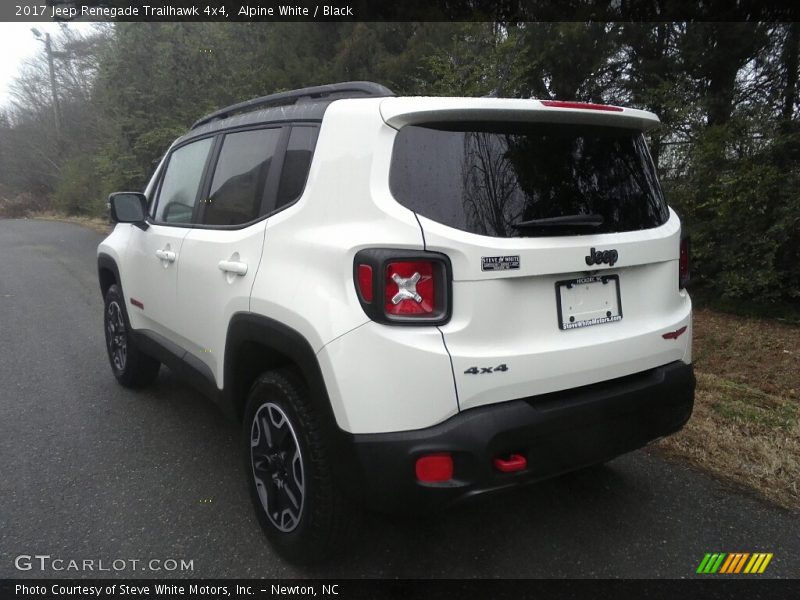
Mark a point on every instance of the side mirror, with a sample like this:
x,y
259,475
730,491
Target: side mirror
x,y
128,207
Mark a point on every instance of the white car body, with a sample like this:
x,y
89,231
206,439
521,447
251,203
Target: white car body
x,y
296,268
300,263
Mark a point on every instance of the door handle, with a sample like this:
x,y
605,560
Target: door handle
x,y
233,266
167,255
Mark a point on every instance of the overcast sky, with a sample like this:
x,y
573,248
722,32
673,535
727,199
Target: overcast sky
x,y
17,44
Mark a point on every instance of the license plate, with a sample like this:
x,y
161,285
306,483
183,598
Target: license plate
x,y
588,301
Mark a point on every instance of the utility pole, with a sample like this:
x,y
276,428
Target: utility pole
x,y
48,48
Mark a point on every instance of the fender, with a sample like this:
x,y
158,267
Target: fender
x,y
287,342
104,261
284,341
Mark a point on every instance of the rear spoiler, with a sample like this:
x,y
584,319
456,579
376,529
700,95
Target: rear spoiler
x,y
401,111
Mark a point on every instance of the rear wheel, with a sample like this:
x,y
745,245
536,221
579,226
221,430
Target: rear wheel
x,y
288,468
130,366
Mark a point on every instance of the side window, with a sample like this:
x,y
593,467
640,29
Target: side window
x,y
181,181
240,175
296,164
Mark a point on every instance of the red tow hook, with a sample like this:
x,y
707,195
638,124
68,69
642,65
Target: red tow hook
x,y
510,464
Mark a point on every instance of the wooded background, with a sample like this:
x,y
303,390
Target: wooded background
x,y
728,151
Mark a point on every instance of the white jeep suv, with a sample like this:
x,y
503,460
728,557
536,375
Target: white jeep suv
x,y
406,301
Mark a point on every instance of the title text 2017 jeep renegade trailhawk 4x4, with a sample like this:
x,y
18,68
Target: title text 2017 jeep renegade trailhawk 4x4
x,y
408,301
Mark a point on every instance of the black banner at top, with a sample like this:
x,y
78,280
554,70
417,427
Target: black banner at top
x,y
398,10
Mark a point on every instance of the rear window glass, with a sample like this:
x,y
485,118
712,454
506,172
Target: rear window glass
x,y
555,179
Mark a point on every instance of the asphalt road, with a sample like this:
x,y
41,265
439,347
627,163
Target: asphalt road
x,y
90,470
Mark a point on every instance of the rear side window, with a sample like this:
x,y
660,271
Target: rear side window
x,y
237,188
299,151
489,178
181,182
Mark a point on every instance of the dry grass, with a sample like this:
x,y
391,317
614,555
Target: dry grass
x,y
746,422
93,223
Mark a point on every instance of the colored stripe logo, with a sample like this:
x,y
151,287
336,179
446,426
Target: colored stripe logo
x,y
734,563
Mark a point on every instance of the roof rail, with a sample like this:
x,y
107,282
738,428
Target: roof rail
x,y
347,89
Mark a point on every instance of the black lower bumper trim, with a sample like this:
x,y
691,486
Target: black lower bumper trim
x,y
556,433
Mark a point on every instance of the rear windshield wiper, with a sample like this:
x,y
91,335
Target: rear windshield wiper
x,y
565,221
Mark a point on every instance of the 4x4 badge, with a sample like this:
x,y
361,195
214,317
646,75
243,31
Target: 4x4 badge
x,y
603,256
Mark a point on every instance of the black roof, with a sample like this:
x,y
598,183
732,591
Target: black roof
x,y
302,104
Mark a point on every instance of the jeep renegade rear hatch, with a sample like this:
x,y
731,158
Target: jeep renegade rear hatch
x,y
564,254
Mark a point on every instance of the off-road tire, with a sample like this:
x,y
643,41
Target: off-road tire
x,y
315,526
131,367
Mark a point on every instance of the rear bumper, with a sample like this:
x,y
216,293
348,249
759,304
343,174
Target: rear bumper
x,y
556,433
